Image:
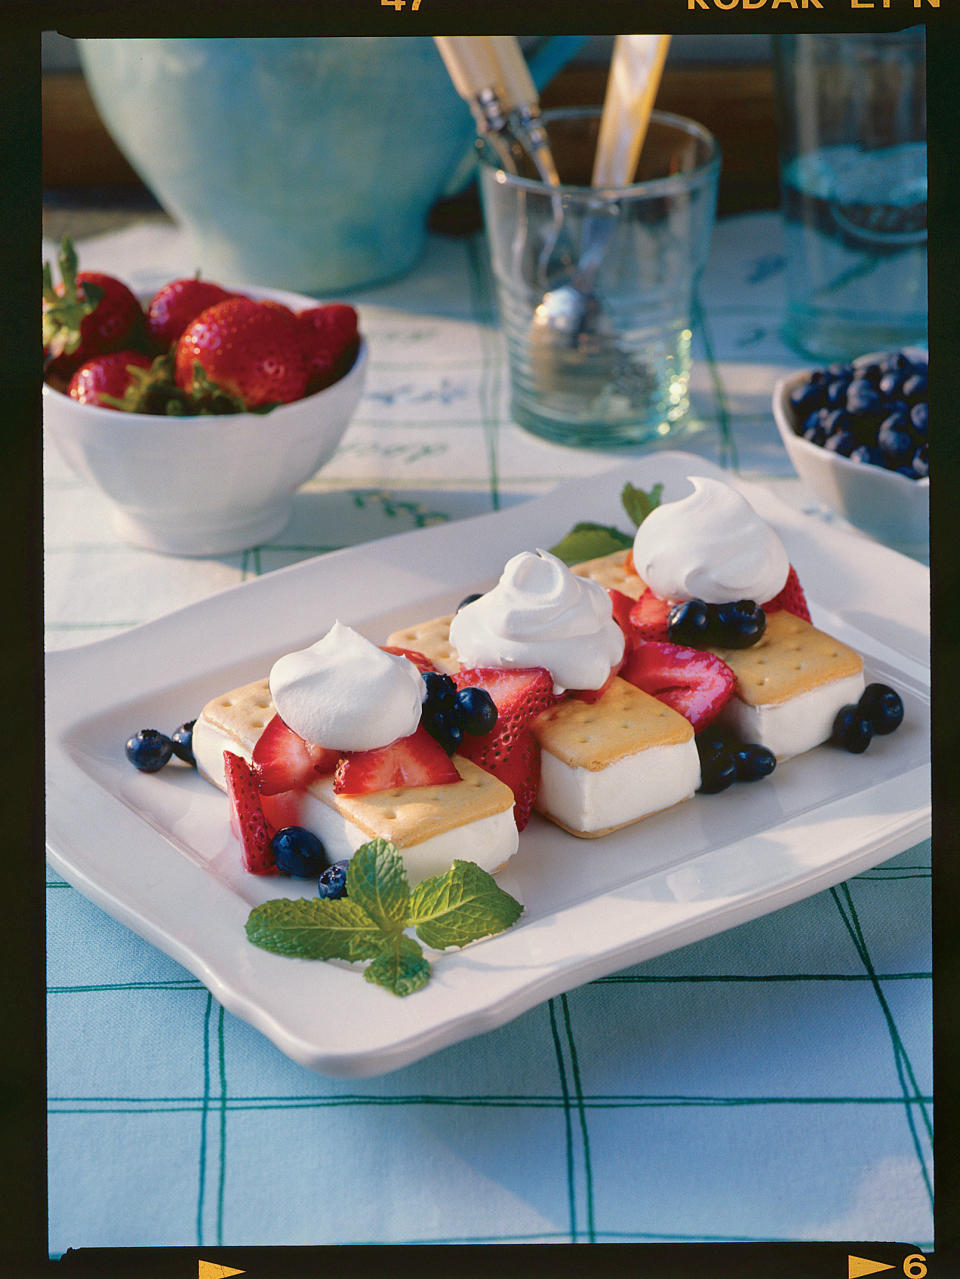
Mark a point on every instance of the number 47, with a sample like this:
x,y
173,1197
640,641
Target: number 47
x,y
398,5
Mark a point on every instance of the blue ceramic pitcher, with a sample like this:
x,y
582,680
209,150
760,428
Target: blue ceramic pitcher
x,y
306,164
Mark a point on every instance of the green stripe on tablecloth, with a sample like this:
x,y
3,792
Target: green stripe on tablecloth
x,y
581,1113
728,447
222,1153
202,1154
904,1067
587,1101
567,1119
481,305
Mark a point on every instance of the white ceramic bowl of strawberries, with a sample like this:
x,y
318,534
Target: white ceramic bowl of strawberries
x,y
216,482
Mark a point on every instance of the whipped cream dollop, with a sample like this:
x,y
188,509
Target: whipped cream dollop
x,y
541,614
710,546
347,694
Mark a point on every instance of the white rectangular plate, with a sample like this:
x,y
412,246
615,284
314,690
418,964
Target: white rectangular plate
x,y
156,852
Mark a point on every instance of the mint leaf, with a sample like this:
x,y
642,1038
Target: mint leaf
x,y
377,881
460,906
638,504
315,928
401,966
588,541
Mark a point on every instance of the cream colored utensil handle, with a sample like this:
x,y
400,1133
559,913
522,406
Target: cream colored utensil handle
x,y
635,71
517,82
520,96
472,65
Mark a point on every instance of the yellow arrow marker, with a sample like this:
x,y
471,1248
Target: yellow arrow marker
x,y
213,1270
856,1266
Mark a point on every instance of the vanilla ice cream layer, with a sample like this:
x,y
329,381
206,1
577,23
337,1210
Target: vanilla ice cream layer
x,y
489,841
594,800
796,725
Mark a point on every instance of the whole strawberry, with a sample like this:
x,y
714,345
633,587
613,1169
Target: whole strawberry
x,y
331,340
172,308
106,378
86,314
243,352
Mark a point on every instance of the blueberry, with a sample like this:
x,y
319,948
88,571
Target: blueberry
x,y
896,441
816,433
333,881
148,750
476,711
897,362
852,730
837,393
712,740
468,599
182,741
882,706
842,442
812,422
841,372
299,852
689,623
739,624
920,466
443,727
919,414
871,373
837,420
890,384
441,689
754,762
808,395
869,454
915,388
862,397
717,772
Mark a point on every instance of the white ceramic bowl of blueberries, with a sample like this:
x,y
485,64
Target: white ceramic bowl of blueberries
x,y
857,436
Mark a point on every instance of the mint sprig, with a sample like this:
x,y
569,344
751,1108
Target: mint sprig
x,y
460,906
588,541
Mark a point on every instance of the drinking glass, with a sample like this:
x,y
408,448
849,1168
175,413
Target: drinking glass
x,y
595,286
853,179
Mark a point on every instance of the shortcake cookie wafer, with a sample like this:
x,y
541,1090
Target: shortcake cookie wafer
x,y
607,763
790,685
432,639
612,571
431,825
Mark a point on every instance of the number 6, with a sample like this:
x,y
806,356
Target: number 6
x,y
915,1266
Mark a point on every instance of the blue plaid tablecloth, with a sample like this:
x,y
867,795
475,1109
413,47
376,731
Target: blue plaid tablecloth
x,y
771,1083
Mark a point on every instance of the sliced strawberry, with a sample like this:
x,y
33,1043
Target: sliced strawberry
x,y
283,809
594,694
248,819
510,751
285,761
791,599
621,605
648,617
691,681
519,695
521,772
421,662
416,760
